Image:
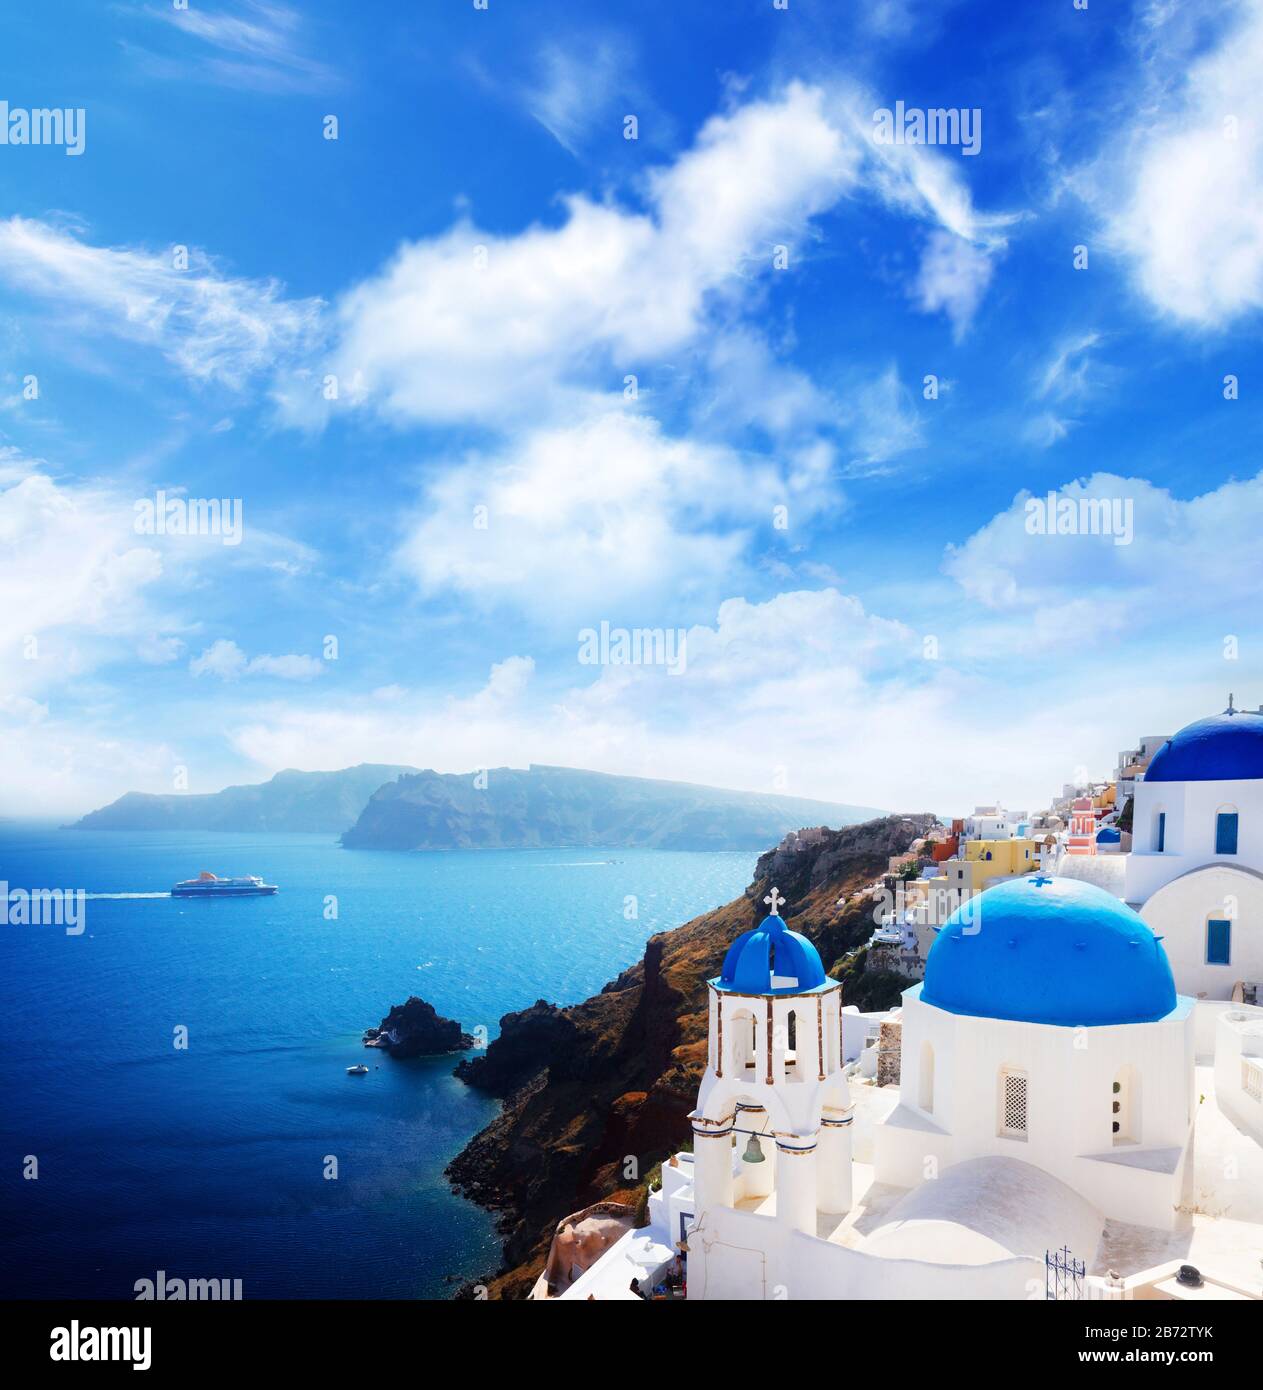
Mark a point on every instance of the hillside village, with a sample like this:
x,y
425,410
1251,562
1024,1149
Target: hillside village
x,y
1063,1096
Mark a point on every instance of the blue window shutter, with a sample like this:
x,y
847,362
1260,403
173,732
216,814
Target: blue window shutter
x,y
1162,832
1226,833
1218,942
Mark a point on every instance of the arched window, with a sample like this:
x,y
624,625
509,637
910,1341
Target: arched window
x,y
1160,832
1012,1118
797,1046
1226,821
925,1079
1218,941
1125,1106
745,1041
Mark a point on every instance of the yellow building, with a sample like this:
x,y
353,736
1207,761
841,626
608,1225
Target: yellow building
x,y
985,862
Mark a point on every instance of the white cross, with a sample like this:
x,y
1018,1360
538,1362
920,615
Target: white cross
x,y
774,897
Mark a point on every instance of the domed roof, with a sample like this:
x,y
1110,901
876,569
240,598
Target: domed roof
x,y
771,949
1223,748
1049,950
1109,835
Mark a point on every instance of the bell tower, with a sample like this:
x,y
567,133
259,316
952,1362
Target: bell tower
x,y
772,1126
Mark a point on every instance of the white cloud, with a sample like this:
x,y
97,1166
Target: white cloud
x,y
455,734
1046,429
813,693
64,767
1070,377
1066,377
72,572
209,325
574,86
532,334
1085,585
883,421
808,694
155,650
923,181
225,659
964,243
506,683
256,46
81,591
1181,191
953,277
470,325
606,512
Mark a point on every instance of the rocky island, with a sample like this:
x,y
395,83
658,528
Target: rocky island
x,y
415,1029
586,1087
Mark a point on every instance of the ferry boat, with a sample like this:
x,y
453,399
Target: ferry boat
x,y
208,885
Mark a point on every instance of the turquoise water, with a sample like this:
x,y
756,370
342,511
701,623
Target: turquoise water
x,y
210,1161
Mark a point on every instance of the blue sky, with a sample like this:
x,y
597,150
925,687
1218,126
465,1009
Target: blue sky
x,y
481,259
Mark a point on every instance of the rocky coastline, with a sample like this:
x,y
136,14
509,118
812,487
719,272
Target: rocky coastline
x,y
602,1089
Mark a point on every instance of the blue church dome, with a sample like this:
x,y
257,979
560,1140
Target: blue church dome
x,y
1222,748
771,949
1049,950
1108,835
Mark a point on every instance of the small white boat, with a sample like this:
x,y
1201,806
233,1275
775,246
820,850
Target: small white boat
x,y
358,1070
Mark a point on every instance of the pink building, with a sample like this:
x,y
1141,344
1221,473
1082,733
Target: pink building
x,y
1082,837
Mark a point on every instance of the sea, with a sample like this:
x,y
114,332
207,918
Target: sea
x,y
177,1097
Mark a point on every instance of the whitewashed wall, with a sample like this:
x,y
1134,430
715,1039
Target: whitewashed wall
x,y
1177,912
742,1255
1070,1074
1191,809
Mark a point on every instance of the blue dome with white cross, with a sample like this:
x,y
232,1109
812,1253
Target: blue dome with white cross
x,y
1223,748
1049,950
771,959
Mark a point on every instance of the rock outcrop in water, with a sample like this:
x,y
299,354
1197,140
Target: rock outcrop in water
x,y
568,808
415,1029
587,1087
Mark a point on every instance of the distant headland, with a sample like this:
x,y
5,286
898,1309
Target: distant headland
x,y
314,802
387,806
568,808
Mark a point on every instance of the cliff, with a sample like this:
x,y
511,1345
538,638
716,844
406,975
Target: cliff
x,y
568,808
589,1088
314,802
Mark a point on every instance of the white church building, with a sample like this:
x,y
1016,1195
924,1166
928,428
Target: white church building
x,y
1048,1031
1051,1099
1195,871
1080,1071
